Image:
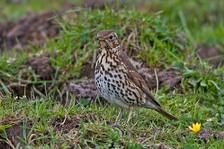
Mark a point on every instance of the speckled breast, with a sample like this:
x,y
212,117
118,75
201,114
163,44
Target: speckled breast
x,y
112,81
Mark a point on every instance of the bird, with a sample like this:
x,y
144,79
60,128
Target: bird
x,y
118,81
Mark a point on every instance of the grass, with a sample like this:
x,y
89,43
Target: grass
x,y
200,19
14,9
160,40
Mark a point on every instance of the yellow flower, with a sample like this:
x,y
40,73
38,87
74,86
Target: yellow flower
x,y
195,127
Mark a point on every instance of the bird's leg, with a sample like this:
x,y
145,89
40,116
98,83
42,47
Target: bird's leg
x,y
130,114
118,116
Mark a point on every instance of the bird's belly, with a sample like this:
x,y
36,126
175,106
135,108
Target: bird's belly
x,y
101,85
109,89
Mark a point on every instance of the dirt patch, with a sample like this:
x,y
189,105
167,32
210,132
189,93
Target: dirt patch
x,y
15,133
160,146
102,4
205,135
35,28
4,145
85,89
43,70
41,65
169,77
87,69
164,77
32,29
210,54
67,124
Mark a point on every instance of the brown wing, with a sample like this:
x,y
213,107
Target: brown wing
x,y
137,78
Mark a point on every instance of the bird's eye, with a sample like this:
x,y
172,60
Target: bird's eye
x,y
111,37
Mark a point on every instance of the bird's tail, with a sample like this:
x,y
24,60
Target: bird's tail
x,y
166,114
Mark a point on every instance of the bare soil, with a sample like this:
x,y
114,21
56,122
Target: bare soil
x,y
16,133
66,124
205,135
43,70
31,30
210,54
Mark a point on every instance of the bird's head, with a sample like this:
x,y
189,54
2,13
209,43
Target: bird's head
x,y
108,39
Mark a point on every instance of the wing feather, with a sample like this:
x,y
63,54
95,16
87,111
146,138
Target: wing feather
x,y
136,78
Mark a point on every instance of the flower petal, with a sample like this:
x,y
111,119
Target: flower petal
x,y
195,127
190,128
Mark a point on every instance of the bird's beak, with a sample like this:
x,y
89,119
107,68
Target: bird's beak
x,y
100,38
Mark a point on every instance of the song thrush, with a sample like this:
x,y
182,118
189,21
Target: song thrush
x,y
118,81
